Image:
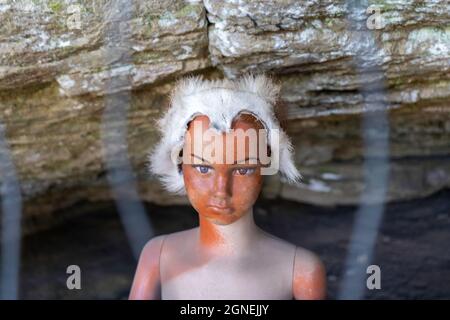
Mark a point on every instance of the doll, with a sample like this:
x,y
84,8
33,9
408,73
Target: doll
x,y
228,256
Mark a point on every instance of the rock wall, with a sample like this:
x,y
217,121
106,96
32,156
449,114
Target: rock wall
x,y
60,60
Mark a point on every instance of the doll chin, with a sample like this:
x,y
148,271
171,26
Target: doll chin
x,y
222,222
222,218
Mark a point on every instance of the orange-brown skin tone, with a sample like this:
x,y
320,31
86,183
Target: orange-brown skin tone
x,y
309,282
146,283
222,186
221,196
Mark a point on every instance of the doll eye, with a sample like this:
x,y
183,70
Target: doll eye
x,y
245,171
202,169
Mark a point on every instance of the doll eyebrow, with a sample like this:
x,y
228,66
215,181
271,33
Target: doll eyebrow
x,y
200,158
236,162
246,159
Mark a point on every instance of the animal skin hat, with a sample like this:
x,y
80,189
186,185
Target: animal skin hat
x,y
221,101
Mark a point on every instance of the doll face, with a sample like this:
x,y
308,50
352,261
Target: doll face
x,y
221,191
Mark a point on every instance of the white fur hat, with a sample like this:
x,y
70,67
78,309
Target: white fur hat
x,y
220,100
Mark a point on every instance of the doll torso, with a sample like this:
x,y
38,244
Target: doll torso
x,y
264,271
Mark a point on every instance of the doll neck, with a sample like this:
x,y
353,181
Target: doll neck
x,y
233,238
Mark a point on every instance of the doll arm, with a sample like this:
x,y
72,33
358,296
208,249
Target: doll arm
x,y
309,276
147,281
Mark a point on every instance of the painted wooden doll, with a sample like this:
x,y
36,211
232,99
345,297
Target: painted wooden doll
x,y
219,139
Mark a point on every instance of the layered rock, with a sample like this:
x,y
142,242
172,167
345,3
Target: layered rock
x,y
67,41
61,60
323,62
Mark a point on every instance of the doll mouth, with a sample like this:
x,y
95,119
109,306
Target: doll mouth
x,y
221,209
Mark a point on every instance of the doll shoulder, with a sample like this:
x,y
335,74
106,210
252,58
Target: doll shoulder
x,y
147,277
309,275
152,248
152,251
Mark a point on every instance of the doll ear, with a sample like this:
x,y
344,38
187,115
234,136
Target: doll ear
x,y
180,165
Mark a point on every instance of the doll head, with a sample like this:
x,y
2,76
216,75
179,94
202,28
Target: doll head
x,y
221,106
223,183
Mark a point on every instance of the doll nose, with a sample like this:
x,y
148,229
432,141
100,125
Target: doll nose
x,y
222,185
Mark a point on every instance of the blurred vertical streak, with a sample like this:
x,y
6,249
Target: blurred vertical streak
x,y
117,17
11,198
375,131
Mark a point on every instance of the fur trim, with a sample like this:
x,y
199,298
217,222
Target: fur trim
x,y
221,101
